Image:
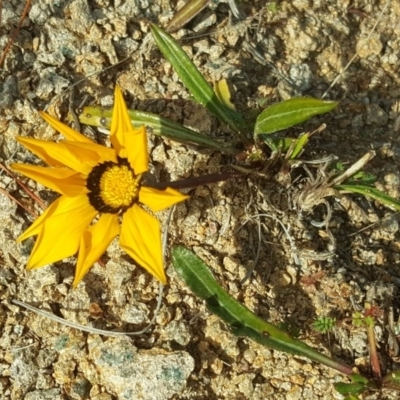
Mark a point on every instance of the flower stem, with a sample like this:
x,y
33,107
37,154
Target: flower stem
x,y
195,181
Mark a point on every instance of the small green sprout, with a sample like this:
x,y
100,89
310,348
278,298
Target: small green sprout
x,y
357,319
272,7
324,324
360,319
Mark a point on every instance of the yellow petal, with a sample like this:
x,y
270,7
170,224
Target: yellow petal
x,y
135,150
120,121
65,130
90,153
158,200
141,239
63,181
57,206
37,147
60,234
94,243
80,157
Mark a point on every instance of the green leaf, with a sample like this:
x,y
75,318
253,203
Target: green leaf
x,y
356,378
292,146
371,192
195,82
359,384
97,116
242,321
362,177
392,380
299,145
350,388
278,144
291,112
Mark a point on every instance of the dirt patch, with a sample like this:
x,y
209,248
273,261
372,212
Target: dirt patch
x,y
272,52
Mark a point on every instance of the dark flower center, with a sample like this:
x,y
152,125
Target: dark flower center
x,y
113,187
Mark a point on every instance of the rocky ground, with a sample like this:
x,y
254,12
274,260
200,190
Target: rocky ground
x,y
271,51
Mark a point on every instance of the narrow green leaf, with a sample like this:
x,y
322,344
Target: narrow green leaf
x,y
362,177
241,320
371,192
278,144
299,145
350,388
356,378
292,146
100,117
195,82
359,385
291,112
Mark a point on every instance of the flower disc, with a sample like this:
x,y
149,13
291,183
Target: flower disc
x,y
113,187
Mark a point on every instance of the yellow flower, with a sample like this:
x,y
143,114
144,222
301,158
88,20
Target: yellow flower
x,y
94,180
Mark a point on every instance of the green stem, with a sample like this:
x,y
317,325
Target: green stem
x,y
99,117
373,352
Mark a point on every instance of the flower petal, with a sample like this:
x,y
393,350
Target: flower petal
x,y
157,200
57,206
90,153
141,239
135,150
63,181
94,243
38,147
65,130
80,157
120,121
60,233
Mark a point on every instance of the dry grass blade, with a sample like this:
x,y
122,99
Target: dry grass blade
x,y
24,187
357,166
83,328
16,31
18,202
186,14
317,189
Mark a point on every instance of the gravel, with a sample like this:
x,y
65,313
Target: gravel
x,y
274,51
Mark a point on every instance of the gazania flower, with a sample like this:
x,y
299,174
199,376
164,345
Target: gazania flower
x,y
100,187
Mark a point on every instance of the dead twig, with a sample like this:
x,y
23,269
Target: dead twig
x,y
16,31
24,187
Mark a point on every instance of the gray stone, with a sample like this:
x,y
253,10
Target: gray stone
x,y
140,374
50,394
